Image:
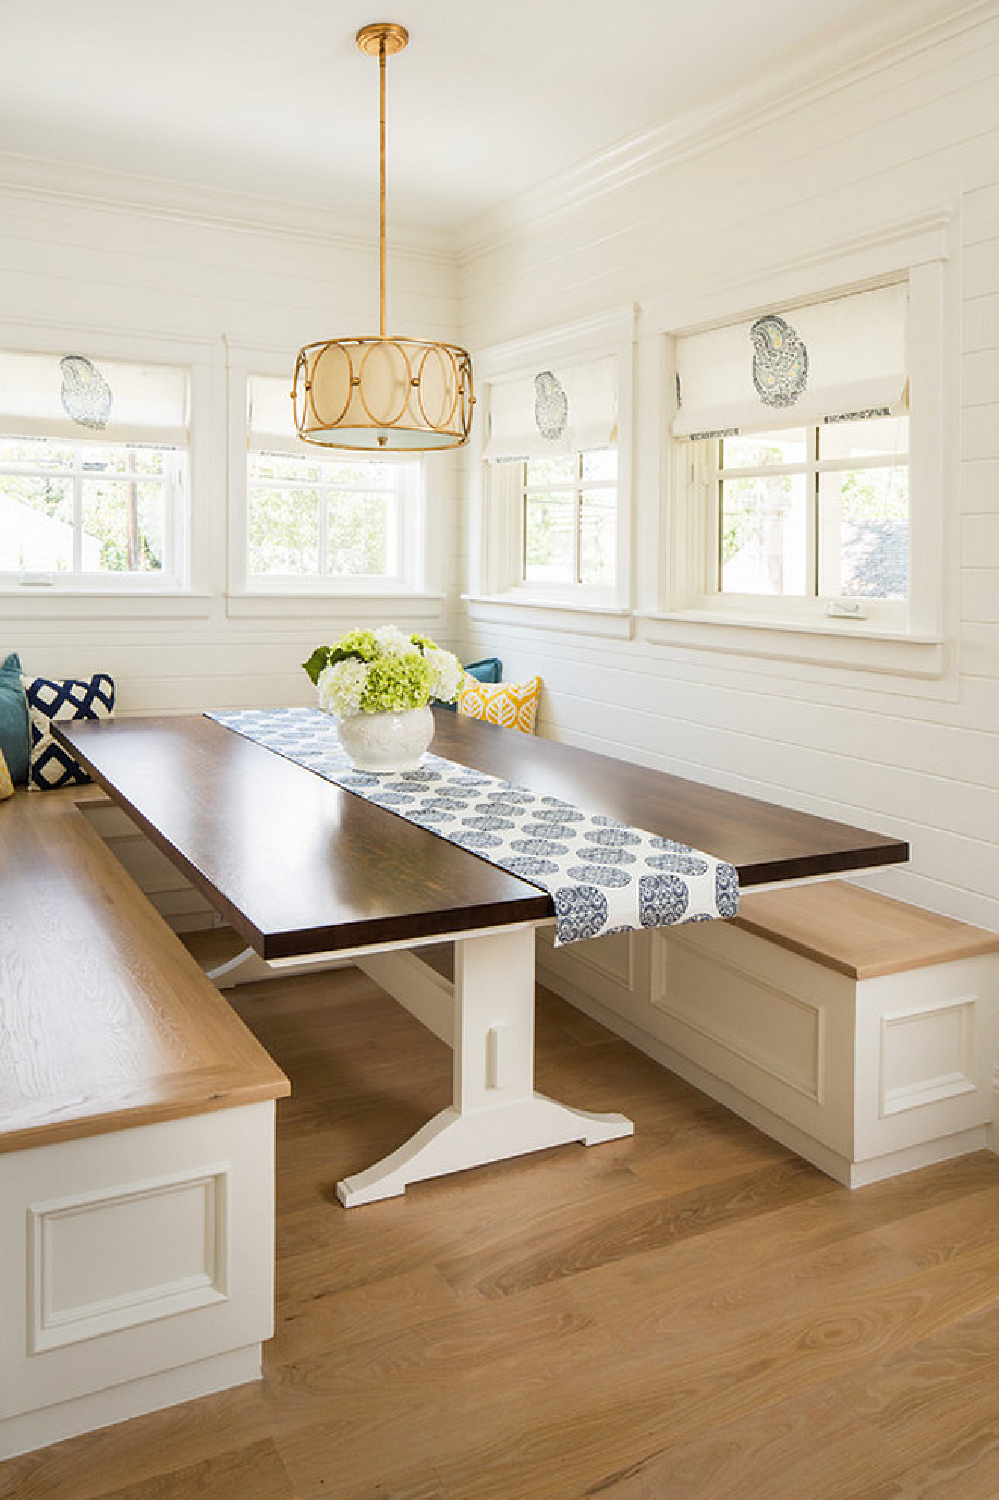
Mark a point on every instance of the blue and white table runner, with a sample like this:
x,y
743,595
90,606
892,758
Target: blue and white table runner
x,y
602,876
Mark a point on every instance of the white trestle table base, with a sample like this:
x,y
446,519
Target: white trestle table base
x,y
487,1017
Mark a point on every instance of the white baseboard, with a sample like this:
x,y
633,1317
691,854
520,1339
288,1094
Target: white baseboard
x,y
119,1403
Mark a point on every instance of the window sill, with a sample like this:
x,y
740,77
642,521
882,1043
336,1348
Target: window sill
x,y
551,614
858,645
54,603
362,604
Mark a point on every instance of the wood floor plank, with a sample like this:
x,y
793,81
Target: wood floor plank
x,y
255,1470
689,1315
921,1423
635,1231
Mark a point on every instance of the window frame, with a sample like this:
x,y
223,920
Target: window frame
x,y
134,595
575,488
415,590
176,491
497,588
406,501
676,609
892,613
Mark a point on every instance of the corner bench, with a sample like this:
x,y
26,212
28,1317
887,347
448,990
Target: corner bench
x,y
136,1146
856,1029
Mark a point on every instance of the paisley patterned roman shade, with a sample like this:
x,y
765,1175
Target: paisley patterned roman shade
x,y
845,357
99,400
555,409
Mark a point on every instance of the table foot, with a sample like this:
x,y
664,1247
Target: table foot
x,y
453,1142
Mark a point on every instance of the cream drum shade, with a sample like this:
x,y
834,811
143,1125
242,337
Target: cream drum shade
x,y
381,393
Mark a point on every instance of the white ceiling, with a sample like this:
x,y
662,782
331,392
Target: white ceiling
x,y
271,97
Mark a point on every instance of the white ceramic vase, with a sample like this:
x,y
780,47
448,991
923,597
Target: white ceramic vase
x,y
387,741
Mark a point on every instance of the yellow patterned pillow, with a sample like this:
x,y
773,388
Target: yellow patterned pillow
x,y
513,704
6,784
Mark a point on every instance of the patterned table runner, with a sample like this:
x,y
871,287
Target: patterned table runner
x,y
602,875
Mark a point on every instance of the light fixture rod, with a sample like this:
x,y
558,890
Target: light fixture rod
x,y
382,54
382,39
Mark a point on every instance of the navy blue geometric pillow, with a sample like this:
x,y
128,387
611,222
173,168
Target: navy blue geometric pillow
x,y
50,699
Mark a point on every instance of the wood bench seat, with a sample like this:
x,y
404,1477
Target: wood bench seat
x,y
857,932
107,1021
136,1146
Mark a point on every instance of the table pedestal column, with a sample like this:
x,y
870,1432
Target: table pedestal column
x,y
495,1112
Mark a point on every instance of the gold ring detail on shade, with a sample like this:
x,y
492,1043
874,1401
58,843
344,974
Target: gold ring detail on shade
x,y
379,345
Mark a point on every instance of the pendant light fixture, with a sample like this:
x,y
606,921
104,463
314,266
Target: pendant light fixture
x,y
383,394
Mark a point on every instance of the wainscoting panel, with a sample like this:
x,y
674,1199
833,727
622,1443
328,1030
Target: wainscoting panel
x,y
110,1260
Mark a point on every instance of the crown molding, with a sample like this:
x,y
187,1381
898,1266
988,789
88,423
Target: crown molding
x,y
588,338
881,252
808,74
103,190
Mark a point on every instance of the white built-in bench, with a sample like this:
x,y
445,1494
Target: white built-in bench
x,y
136,1147
856,1029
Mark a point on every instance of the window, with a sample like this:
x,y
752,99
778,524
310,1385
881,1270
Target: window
x,y
323,520
569,518
76,508
93,471
793,432
552,485
819,511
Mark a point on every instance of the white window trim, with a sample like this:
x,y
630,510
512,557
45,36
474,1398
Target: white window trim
x,y
675,610
496,587
416,592
128,596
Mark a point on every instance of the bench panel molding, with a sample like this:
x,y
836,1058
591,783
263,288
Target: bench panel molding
x,y
760,1022
104,1261
914,1067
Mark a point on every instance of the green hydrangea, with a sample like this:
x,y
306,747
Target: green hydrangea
x,y
396,683
382,670
360,643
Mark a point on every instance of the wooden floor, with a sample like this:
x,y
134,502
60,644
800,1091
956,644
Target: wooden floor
x,y
690,1315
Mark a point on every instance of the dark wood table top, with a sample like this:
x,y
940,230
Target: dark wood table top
x,y
298,866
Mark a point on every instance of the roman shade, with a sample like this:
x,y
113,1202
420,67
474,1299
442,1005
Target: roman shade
x,y
845,357
270,420
144,403
554,410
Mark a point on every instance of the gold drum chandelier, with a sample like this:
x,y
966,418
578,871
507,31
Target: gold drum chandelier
x,y
385,394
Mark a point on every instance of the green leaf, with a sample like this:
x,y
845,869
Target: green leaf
x,y
319,659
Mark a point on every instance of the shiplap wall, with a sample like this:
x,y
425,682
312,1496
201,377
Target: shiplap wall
x,y
93,257
916,135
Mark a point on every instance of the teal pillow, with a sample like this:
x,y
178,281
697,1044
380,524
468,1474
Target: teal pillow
x,y
13,719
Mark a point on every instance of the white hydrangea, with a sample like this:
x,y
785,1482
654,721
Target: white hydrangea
x,y
341,687
448,673
392,642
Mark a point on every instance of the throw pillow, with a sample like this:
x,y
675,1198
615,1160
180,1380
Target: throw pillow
x,y
6,784
50,699
13,719
513,704
489,669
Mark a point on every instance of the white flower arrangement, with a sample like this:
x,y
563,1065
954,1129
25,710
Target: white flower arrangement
x,y
382,671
